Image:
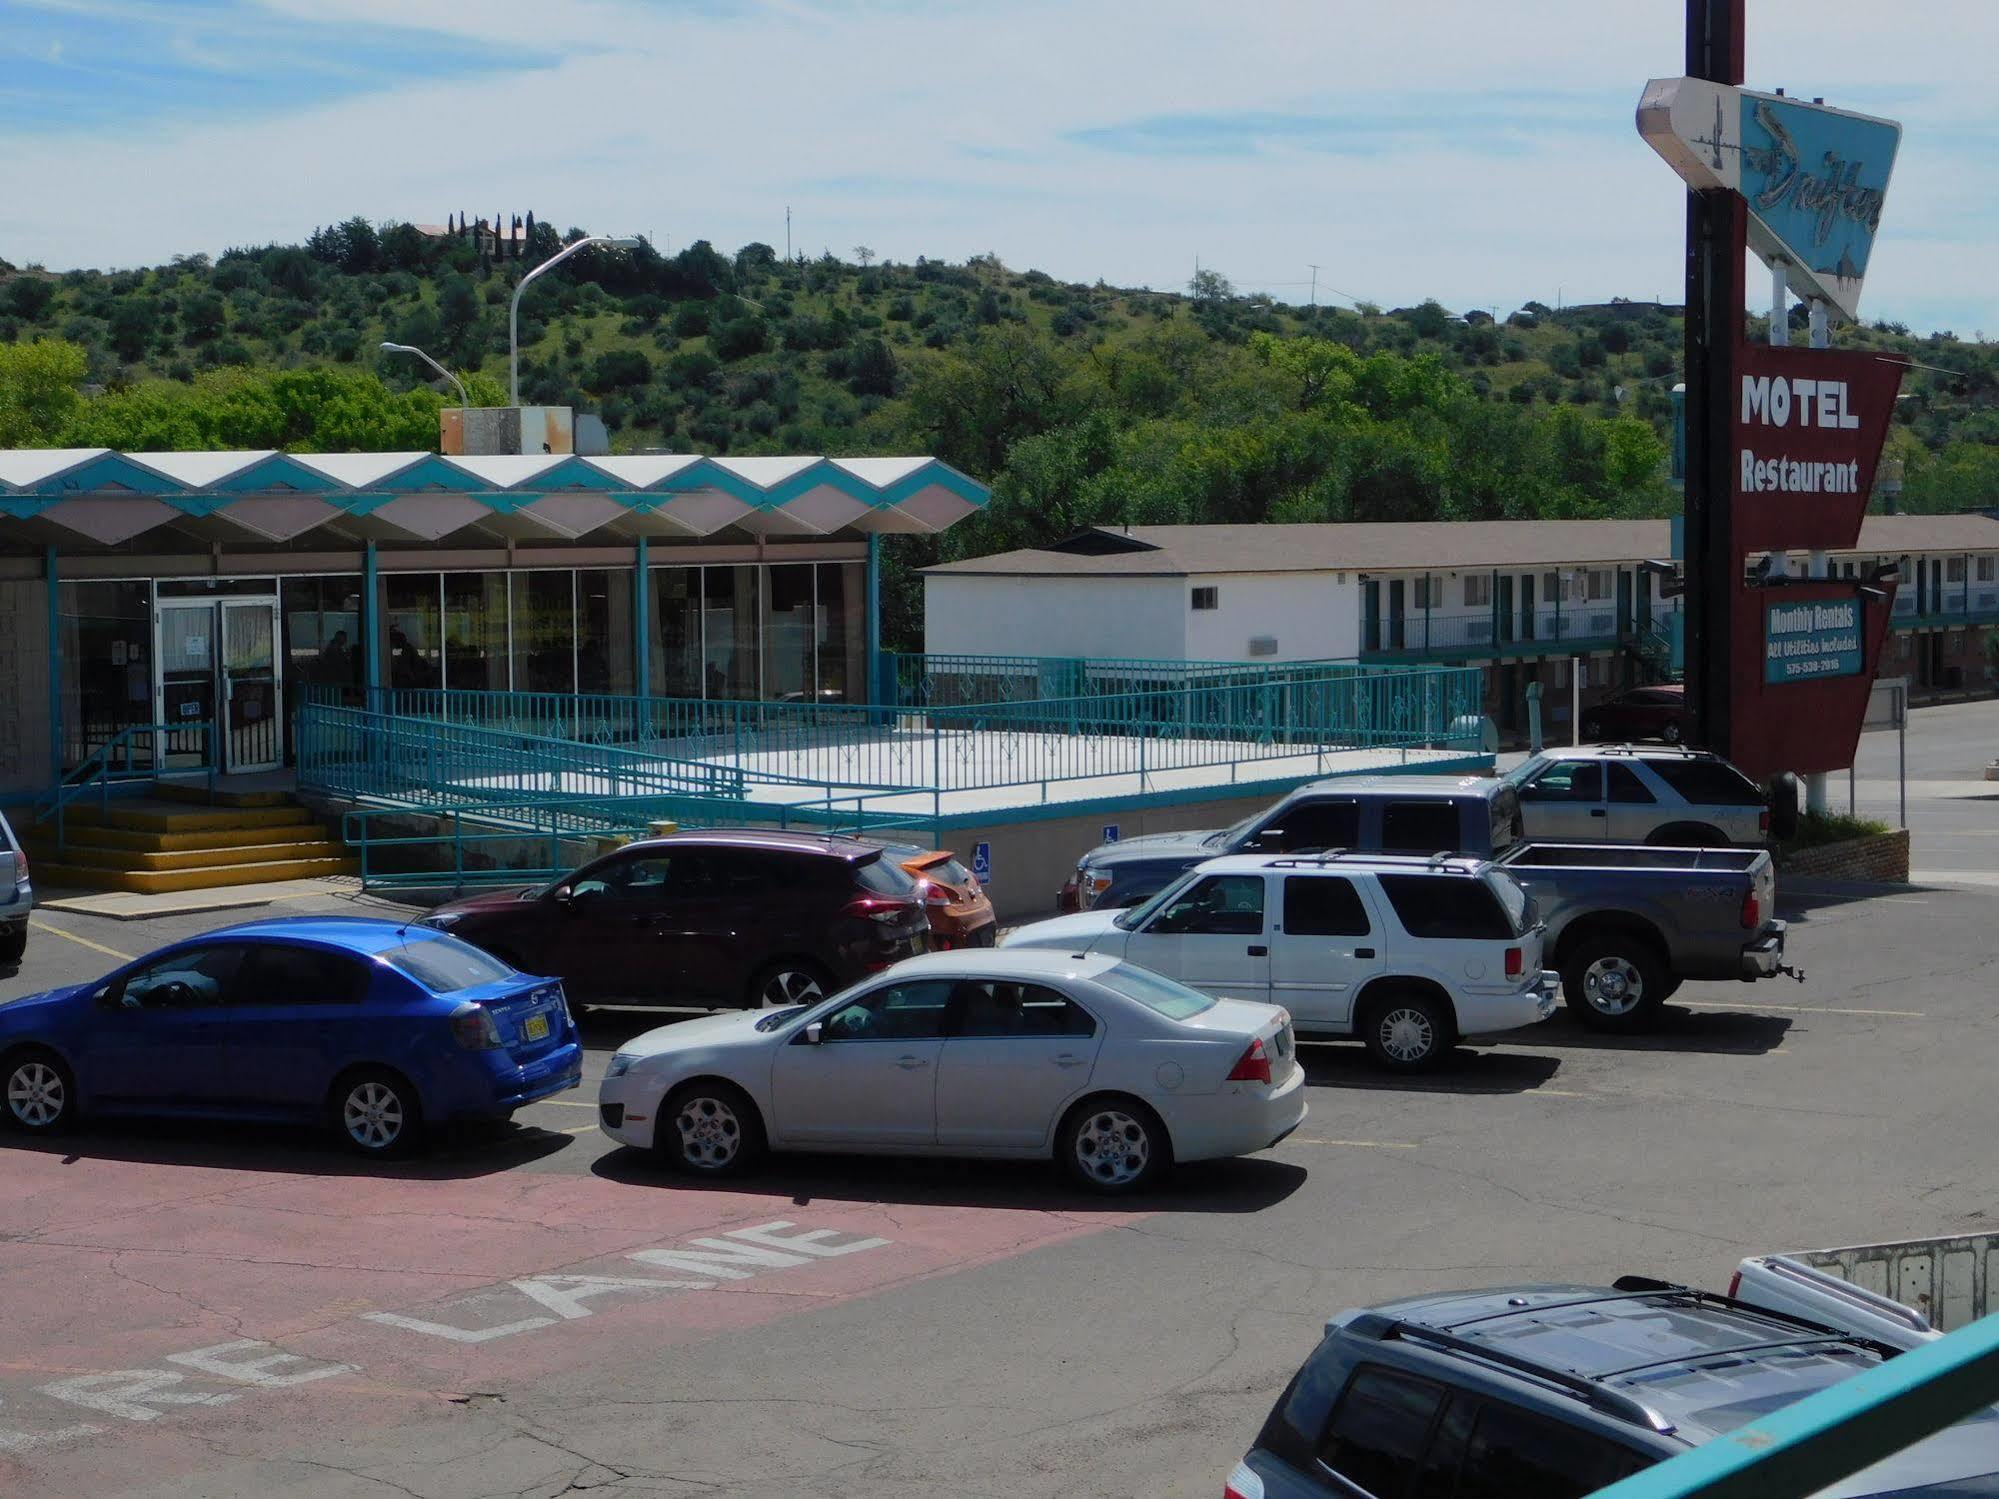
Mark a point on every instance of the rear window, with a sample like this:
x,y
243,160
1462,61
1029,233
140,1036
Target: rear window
x,y
1508,828
1709,783
1156,992
1427,827
444,965
1447,906
884,877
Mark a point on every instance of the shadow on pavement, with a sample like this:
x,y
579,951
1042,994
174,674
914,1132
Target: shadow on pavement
x,y
1463,1071
1745,1032
1244,1185
458,1153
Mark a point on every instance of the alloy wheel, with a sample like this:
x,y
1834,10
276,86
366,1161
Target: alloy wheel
x,y
36,1095
710,1134
1113,1148
1613,985
1407,1034
372,1115
788,987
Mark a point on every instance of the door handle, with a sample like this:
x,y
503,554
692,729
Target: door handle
x,y
1258,950
910,1064
1068,1059
1363,952
1597,812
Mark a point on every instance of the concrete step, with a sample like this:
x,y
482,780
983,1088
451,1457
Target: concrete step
x,y
140,841
207,877
151,816
197,793
90,856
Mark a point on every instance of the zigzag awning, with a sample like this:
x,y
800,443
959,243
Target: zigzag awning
x,y
63,495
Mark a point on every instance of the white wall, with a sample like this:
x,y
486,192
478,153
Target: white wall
x,y
1312,616
1080,616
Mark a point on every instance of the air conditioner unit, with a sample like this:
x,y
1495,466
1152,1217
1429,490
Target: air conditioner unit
x,y
1263,645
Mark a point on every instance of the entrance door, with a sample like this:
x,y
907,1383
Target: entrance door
x,y
1505,608
217,663
1396,591
253,737
1623,603
1526,606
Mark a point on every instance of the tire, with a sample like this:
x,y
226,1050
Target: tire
x,y
40,1091
1409,1031
1614,982
1670,733
709,1128
14,944
791,981
1688,835
1113,1145
377,1113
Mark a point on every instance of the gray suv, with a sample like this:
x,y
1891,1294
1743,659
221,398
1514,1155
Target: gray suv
x,y
17,896
1625,793
1555,1392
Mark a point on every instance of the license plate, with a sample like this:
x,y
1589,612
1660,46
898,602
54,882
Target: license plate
x,y
535,1028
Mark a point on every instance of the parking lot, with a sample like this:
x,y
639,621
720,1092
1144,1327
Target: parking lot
x,y
210,1310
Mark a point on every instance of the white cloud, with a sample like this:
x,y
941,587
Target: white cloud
x,y
946,129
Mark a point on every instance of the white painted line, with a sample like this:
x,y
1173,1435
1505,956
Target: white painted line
x,y
1359,1144
565,1103
1695,1004
109,952
581,1129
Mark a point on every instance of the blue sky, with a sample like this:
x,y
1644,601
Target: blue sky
x,y
1483,154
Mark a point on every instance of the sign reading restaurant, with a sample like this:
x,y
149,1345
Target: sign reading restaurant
x,y
1804,641
1809,426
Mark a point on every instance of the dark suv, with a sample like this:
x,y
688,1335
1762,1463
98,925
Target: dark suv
x,y
1557,1391
719,918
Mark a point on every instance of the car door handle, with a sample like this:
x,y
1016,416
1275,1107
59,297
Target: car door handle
x,y
1598,812
1363,952
910,1064
1258,950
1068,1059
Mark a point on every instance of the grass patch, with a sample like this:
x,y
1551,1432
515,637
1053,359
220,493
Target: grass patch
x,y
1817,829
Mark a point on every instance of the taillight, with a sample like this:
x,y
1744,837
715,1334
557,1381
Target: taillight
x,y
1243,1484
1763,822
1254,1066
473,1028
1515,961
1752,910
1093,887
887,912
20,869
936,895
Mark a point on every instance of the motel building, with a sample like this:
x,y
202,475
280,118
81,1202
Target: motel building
x,y
1522,601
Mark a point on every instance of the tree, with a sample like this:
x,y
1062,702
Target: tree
x,y
873,371
864,256
38,391
1210,288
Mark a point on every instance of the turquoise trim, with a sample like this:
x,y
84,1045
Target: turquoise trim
x,y
936,472
106,471
823,475
275,475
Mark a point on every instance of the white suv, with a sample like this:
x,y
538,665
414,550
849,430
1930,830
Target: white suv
x,y
1408,954
1639,793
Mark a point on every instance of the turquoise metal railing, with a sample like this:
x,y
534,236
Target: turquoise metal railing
x,y
118,761
927,679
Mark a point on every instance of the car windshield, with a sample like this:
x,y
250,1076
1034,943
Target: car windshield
x,y
444,965
1156,992
1139,914
1524,771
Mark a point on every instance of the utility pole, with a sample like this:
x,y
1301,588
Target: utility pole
x,y
1716,228
787,231
1315,288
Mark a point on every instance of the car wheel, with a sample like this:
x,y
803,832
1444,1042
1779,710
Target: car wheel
x,y
709,1128
795,981
1113,1145
41,1091
1614,982
1670,733
14,944
1409,1032
377,1113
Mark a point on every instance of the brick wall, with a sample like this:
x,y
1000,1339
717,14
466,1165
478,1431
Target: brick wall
x,y
1883,858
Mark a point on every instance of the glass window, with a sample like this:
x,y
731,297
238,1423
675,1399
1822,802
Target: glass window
x,y
544,635
1953,570
1165,996
444,965
901,1012
1478,590
1207,598
729,632
1323,905
412,640
192,978
675,666
843,632
1449,907
789,632
1380,1429
1626,789
642,877
1222,905
1512,1453
1566,781
1425,827
1707,782
322,625
604,631
1312,827
1599,584
276,973
106,646
475,632
1988,568
885,877
991,1009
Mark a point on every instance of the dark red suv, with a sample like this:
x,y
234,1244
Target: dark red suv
x,y
718,918
1642,713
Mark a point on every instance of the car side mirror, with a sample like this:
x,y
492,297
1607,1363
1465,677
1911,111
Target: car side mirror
x,y
106,998
814,1034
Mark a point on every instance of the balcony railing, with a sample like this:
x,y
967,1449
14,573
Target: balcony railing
x,y
1473,632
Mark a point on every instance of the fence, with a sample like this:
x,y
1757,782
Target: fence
x,y
920,679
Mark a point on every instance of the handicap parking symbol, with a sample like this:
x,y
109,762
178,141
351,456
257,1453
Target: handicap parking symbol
x,y
982,862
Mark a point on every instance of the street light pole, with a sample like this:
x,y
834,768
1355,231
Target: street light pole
x,y
514,307
463,399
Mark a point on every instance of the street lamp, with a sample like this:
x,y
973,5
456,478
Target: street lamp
x,y
463,399
514,307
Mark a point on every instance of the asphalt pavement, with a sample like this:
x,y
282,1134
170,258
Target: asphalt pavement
x,y
213,1310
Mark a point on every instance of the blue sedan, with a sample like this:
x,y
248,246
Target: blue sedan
x,y
371,1027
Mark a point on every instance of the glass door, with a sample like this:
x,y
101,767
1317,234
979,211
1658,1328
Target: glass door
x,y
251,728
184,682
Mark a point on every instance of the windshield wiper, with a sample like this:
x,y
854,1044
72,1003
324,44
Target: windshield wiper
x,y
776,1018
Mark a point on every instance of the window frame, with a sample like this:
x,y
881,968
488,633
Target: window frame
x,y
1153,926
114,993
1206,597
1352,886
954,1021
874,999
1390,1373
